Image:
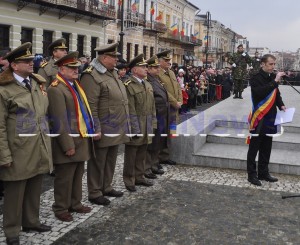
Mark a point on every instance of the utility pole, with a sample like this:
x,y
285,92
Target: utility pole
x,y
208,19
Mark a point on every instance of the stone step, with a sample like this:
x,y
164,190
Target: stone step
x,y
237,136
235,157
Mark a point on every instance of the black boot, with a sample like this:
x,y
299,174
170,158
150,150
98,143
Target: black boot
x,y
240,95
235,94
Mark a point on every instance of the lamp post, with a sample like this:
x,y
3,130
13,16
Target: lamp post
x,y
122,29
208,19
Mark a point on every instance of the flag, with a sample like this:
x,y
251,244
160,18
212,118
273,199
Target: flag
x,y
105,1
174,29
159,17
205,38
182,32
152,11
120,2
135,6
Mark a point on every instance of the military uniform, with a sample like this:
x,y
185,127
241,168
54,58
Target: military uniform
x,y
162,105
109,105
255,65
170,83
23,144
143,121
48,70
69,169
239,61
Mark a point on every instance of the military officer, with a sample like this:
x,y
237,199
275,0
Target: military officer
x,y
162,114
143,121
169,81
71,119
48,70
25,150
109,105
239,61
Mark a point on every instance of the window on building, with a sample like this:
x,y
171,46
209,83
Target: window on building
x,y
93,46
80,42
26,35
66,36
128,55
4,36
174,19
151,51
191,30
47,40
168,21
145,51
136,50
187,29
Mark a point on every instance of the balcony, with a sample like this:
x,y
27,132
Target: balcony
x,y
179,39
81,8
155,26
213,50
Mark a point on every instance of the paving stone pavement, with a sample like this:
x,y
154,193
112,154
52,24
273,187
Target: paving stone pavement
x,y
187,205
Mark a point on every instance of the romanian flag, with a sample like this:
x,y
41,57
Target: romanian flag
x,y
182,32
120,2
105,1
159,17
152,11
174,29
194,36
261,109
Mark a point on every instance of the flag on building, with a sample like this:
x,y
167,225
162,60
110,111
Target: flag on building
x,y
152,11
194,36
135,6
174,29
159,17
120,2
205,38
182,32
105,1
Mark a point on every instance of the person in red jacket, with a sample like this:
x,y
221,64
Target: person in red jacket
x,y
185,98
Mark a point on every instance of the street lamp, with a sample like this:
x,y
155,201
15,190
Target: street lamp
x,y
208,19
122,30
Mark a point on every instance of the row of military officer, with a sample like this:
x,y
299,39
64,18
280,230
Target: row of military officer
x,y
100,108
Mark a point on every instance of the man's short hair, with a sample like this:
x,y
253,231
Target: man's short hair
x,y
266,56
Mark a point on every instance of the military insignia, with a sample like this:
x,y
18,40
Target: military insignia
x,y
28,52
89,69
44,64
127,83
55,83
42,90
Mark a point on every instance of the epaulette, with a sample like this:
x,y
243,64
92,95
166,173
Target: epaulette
x,y
43,64
54,83
38,78
127,82
89,69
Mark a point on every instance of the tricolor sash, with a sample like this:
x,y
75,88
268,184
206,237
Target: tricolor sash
x,y
84,117
261,109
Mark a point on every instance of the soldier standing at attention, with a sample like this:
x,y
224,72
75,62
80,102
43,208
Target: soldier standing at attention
x,y
168,79
48,70
255,65
162,114
70,114
109,105
143,121
239,61
25,149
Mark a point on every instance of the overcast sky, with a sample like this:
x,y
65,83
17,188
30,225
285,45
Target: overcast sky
x,y
274,24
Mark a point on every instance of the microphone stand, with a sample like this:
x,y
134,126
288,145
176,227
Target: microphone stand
x,y
290,196
291,85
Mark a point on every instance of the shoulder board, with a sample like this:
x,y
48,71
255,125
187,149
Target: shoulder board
x,y
89,69
43,64
127,82
38,78
54,83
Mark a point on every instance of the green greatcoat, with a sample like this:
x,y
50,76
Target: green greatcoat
x,y
108,101
142,110
23,112
48,71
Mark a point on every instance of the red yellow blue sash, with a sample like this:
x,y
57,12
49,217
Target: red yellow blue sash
x,y
261,109
84,118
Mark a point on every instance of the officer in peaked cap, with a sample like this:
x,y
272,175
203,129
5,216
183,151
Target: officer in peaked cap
x,y
108,99
23,164
108,49
48,70
169,81
69,153
143,121
162,114
165,54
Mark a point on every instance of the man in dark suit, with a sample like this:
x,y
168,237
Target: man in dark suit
x,y
71,119
159,141
265,98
